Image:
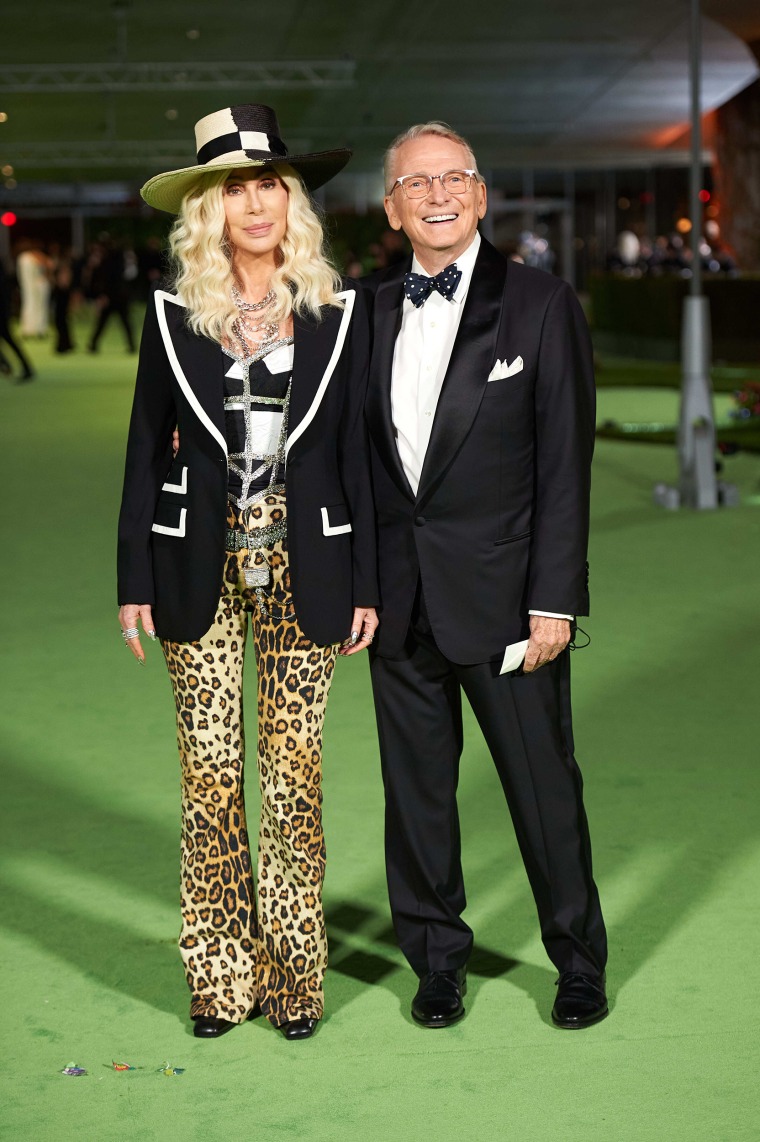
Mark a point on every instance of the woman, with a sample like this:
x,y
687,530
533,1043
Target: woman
x,y
33,275
259,359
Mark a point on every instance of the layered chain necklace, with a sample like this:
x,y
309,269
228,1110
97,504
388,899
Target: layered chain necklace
x,y
256,334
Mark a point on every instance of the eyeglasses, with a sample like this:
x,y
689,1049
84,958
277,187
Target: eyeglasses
x,y
420,185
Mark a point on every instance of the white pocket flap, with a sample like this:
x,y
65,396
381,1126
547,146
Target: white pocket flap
x,y
334,529
168,529
180,488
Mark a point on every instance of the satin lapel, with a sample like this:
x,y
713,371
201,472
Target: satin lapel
x,y
197,363
313,344
471,361
386,323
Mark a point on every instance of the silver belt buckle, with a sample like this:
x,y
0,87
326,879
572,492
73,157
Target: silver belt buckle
x,y
256,576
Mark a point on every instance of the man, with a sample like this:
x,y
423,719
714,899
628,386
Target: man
x,y
111,289
481,414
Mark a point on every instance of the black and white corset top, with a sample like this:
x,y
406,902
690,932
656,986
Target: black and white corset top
x,y
256,402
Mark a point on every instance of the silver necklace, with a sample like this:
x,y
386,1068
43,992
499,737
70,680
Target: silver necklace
x,y
241,303
255,336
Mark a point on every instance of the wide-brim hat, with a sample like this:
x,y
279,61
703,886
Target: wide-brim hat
x,y
246,135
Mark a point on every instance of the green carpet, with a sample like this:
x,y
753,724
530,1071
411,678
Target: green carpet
x,y
666,726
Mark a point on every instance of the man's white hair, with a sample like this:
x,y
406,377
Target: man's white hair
x,y
434,127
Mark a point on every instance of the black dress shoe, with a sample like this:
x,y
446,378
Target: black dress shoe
x,y
438,1002
299,1028
581,1000
209,1027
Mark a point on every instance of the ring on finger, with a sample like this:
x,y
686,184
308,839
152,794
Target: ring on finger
x,y
367,637
130,633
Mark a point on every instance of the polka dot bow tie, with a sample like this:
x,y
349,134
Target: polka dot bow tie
x,y
418,287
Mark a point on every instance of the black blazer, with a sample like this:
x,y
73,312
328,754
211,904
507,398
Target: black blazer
x,y
500,522
173,513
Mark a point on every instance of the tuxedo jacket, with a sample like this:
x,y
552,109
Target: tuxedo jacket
x,y
173,517
499,524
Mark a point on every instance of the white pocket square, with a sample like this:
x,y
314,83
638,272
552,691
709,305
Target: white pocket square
x,y
501,369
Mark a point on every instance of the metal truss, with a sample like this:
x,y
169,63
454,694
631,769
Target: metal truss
x,y
107,153
300,74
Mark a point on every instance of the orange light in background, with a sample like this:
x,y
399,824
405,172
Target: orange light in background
x,y
704,196
683,225
8,218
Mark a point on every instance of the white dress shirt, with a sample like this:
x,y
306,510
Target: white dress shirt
x,y
420,360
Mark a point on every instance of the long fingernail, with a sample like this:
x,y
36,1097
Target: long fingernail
x,y
152,634
141,661
354,636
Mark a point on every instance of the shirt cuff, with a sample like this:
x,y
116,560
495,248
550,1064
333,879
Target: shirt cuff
x,y
552,615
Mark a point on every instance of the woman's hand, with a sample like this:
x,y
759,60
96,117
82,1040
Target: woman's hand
x,y
128,616
175,441
363,629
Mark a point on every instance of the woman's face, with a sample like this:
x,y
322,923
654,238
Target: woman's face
x,y
256,210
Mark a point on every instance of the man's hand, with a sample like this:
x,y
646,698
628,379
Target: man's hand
x,y
548,638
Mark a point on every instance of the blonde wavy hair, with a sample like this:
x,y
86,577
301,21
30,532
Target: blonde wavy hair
x,y
201,254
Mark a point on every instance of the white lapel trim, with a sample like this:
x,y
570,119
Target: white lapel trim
x,y
162,297
349,297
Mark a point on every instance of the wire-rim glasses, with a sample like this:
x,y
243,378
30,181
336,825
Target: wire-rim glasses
x,y
420,185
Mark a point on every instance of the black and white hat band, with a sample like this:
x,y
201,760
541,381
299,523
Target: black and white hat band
x,y
248,131
247,135
253,143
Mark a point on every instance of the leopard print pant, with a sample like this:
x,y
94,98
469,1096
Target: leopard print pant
x,y
237,951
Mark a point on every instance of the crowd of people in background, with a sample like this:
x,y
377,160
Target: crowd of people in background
x,y
53,285
632,255
103,283
636,256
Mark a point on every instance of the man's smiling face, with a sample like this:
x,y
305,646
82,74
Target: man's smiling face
x,y
441,225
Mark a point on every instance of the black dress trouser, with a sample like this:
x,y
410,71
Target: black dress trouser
x,y
526,722
120,307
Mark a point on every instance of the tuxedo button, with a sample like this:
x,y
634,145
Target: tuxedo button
x,y
420,521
